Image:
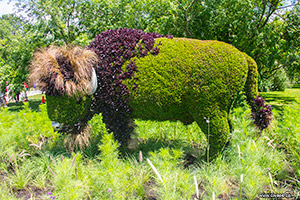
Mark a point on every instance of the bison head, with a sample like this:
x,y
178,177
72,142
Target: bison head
x,y
68,78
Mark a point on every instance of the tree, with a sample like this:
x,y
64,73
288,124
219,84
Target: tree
x,y
253,26
15,51
147,15
267,30
291,47
57,21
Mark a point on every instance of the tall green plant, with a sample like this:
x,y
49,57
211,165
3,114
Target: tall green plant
x,y
288,135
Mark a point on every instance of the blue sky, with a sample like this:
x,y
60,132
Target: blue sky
x,y
6,8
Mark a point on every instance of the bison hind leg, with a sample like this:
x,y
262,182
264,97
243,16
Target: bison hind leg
x,y
215,126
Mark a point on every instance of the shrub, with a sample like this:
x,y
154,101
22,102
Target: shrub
x,y
280,81
160,79
261,113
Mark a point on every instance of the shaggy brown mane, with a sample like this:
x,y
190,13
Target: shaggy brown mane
x,y
63,70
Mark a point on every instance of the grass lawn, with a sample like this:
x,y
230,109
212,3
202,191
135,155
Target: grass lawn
x,y
165,163
279,99
34,102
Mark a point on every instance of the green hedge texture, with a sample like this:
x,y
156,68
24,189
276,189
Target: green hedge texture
x,y
68,109
190,80
251,86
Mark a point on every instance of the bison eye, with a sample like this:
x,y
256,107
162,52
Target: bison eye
x,y
79,99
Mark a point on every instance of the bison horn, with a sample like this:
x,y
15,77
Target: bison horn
x,y
94,82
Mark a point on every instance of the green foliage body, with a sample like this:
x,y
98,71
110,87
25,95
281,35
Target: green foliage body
x,y
192,80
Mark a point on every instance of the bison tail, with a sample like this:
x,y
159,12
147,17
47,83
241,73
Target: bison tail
x,y
251,85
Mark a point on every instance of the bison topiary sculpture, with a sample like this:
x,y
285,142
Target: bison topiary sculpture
x,y
126,74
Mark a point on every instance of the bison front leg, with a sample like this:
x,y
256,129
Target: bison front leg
x,y
121,125
214,124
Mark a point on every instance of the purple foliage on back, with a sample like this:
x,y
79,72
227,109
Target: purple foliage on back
x,y
114,48
169,36
261,113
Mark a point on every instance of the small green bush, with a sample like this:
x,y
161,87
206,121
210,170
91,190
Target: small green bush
x,y
278,82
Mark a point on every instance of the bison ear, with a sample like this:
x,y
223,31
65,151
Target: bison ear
x,y
94,82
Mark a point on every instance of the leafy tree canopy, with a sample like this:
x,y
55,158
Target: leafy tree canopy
x,y
267,30
15,51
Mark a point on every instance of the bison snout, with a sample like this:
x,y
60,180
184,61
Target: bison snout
x,y
57,126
